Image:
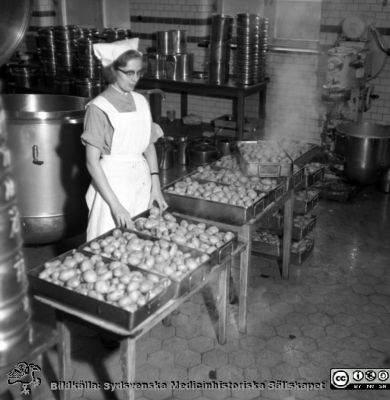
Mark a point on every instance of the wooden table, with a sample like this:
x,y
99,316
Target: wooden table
x,y
201,87
245,232
129,337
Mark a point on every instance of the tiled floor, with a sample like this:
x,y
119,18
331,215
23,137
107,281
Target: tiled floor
x,y
334,311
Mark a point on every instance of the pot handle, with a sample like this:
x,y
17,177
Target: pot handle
x,y
35,155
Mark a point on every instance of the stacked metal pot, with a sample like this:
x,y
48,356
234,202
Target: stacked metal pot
x,y
89,80
252,42
171,59
57,51
220,40
47,53
67,59
15,314
112,34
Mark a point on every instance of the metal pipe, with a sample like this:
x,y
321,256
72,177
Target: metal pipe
x,y
378,40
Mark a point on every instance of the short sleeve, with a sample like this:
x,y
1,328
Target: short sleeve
x,y
156,132
97,129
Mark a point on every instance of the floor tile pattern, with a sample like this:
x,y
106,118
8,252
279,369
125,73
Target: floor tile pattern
x,y
333,312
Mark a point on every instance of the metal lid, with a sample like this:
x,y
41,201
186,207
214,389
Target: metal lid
x,y
368,130
43,106
14,20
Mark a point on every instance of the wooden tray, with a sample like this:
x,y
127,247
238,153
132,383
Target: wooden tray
x,y
273,222
265,248
300,257
311,179
298,233
305,206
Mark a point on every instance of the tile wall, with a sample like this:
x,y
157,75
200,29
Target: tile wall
x,y
44,13
148,17
293,104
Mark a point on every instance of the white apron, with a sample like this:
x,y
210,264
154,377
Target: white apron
x,y
126,169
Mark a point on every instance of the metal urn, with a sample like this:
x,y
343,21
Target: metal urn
x,y
16,332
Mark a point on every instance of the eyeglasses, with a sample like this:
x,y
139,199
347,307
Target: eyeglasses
x,y
131,73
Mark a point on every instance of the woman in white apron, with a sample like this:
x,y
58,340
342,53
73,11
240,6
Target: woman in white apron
x,y
119,137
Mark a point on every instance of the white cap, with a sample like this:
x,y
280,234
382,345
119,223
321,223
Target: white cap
x,y
107,53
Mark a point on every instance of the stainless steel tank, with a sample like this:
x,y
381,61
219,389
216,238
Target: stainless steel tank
x,y
48,164
15,315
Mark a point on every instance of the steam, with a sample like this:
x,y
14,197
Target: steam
x,y
293,103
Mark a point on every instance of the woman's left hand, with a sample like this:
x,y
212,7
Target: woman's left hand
x,y
157,196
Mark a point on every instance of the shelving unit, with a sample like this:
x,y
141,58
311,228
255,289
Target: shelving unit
x,y
300,235
200,87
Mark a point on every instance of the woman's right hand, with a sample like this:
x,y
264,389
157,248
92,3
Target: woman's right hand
x,y
121,216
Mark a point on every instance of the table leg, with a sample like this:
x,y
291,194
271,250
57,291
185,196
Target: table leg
x,y
287,233
223,296
128,365
240,113
262,104
155,107
183,104
244,270
64,359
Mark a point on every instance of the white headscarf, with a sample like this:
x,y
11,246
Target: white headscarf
x,y
107,53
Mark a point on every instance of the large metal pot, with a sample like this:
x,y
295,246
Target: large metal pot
x,y
366,149
48,164
14,21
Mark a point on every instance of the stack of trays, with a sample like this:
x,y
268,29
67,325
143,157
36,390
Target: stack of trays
x,y
314,172
301,250
273,223
305,201
266,243
302,225
252,41
298,176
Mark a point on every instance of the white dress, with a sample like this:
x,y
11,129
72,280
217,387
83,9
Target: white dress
x,y
126,169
